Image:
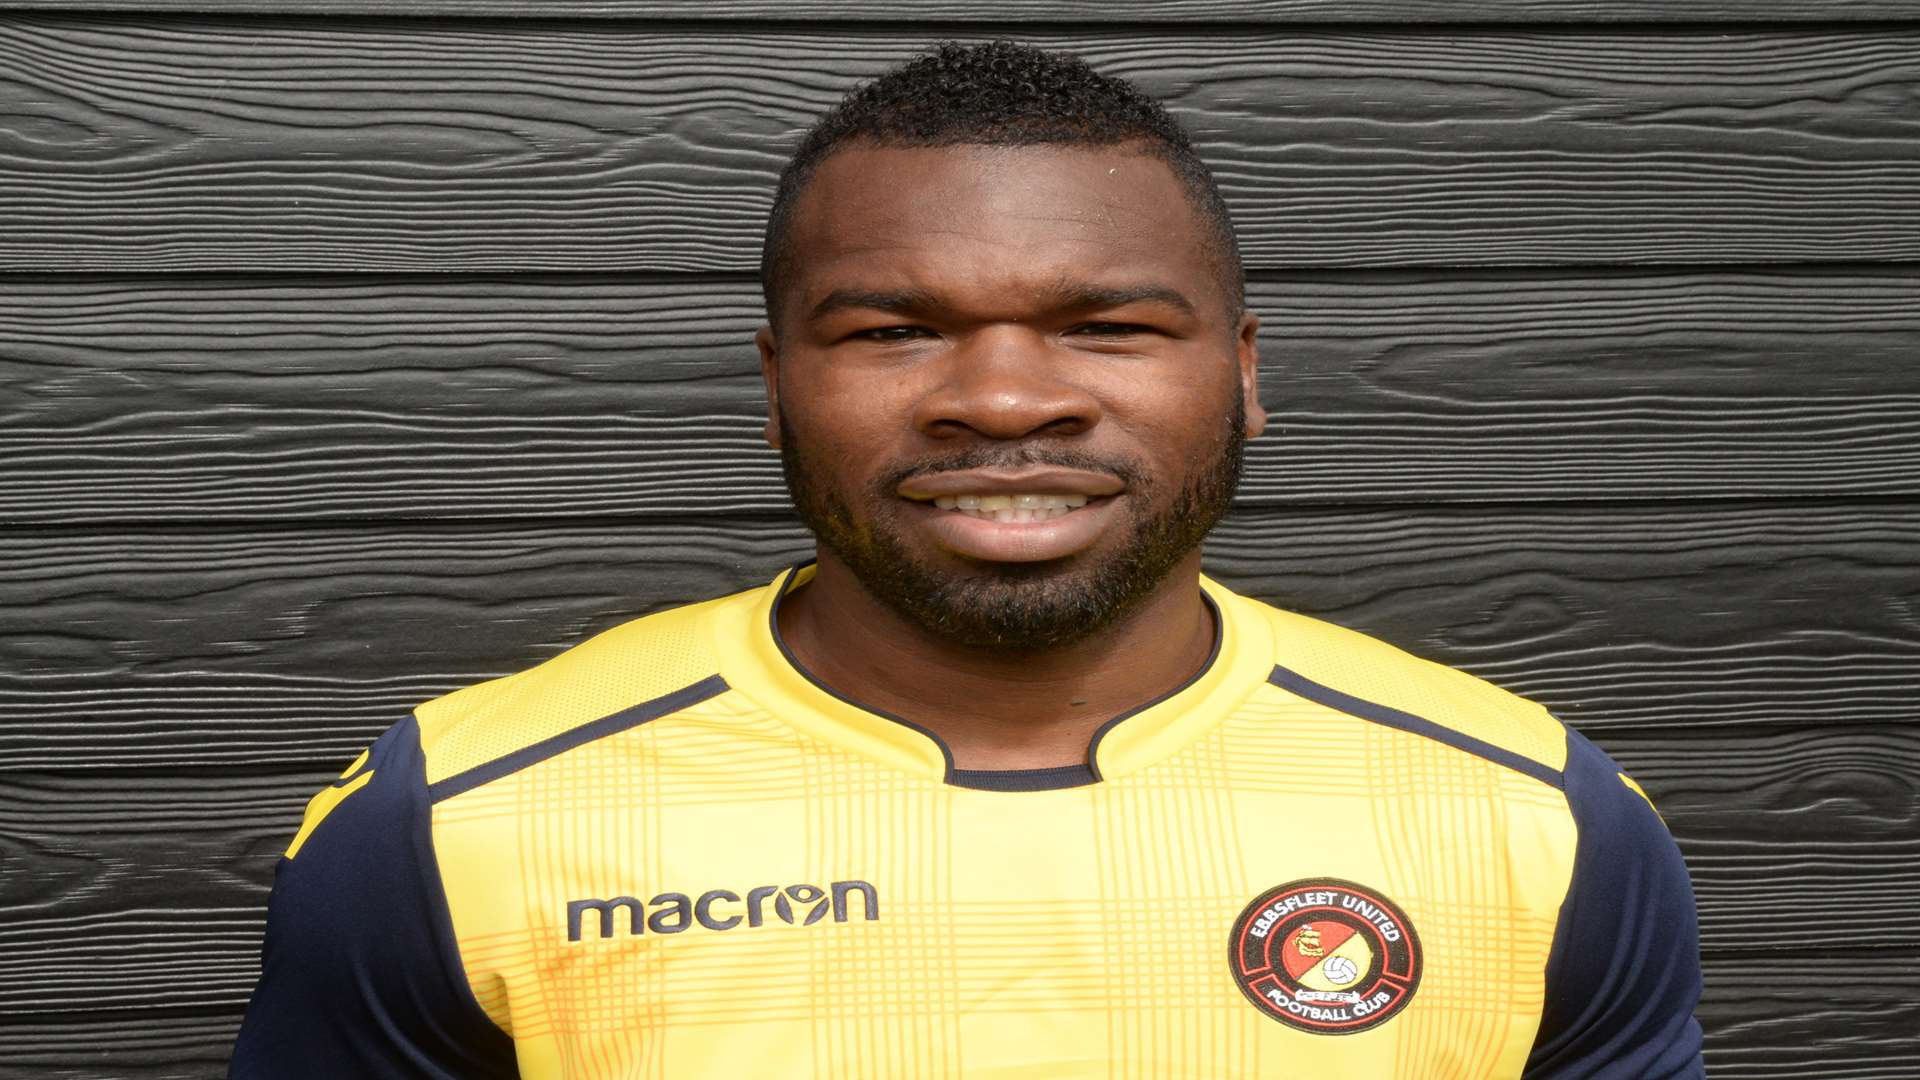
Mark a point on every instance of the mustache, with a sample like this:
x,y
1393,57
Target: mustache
x,y
1011,457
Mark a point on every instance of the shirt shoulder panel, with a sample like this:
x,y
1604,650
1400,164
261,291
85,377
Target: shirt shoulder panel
x,y
1623,978
621,677
360,972
1367,677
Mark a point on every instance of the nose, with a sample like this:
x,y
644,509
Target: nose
x,y
1005,383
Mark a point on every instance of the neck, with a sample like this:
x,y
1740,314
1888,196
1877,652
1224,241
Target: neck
x,y
994,710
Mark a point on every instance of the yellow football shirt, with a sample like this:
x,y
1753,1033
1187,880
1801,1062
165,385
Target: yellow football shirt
x,y
669,852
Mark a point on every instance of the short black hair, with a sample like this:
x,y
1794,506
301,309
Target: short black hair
x,y
999,94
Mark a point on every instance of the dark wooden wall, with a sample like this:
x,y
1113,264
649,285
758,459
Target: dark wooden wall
x,y
347,357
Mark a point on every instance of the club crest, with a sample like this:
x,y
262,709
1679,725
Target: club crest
x,y
1326,956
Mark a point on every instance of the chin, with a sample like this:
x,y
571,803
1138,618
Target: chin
x,y
1010,607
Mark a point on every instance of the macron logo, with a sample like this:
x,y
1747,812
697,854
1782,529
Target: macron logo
x,y
672,912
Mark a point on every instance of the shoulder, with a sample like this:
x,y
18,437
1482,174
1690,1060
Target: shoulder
x,y
638,671
1368,678
361,964
1624,976
359,969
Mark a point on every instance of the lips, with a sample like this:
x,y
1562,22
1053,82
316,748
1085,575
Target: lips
x,y
1038,538
1049,480
987,540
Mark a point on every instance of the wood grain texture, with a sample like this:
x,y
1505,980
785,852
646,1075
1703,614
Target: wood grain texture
x,y
1145,13
322,398
1842,1014
296,144
293,647
141,1044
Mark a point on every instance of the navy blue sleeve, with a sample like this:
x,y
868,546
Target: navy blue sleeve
x,y
1624,974
360,973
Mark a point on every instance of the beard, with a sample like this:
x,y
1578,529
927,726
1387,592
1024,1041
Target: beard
x,y
1010,608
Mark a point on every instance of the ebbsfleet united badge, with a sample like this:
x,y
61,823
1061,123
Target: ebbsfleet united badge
x,y
1327,956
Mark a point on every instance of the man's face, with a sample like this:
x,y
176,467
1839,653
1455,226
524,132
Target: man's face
x,y
966,326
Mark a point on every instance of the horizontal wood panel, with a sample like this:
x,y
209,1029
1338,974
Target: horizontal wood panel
x,y
184,864
294,647
1136,12
1838,1014
137,1045
306,399
295,144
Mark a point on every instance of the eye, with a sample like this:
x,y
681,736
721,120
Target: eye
x,y
888,334
1110,329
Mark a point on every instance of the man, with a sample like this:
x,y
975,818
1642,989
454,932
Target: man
x,y
1000,785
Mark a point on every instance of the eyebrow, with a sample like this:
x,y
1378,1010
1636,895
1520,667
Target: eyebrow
x,y
1072,297
898,301
1089,297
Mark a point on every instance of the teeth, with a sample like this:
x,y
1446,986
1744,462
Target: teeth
x,y
1012,507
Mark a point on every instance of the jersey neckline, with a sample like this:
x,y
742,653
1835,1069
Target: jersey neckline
x,y
755,661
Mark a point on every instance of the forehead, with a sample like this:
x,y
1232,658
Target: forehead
x,y
979,221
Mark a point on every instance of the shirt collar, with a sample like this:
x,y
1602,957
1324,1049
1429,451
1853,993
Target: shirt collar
x,y
757,663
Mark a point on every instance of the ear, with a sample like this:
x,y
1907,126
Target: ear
x,y
769,348
1247,351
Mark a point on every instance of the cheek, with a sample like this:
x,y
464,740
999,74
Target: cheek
x,y
1177,424
845,429
1183,457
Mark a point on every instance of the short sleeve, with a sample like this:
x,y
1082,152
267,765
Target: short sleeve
x,y
360,975
1623,978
